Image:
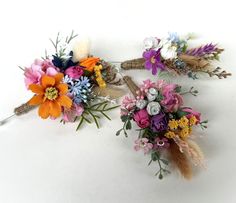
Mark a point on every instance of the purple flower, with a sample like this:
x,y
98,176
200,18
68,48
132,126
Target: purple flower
x,y
143,143
159,122
161,143
153,60
202,50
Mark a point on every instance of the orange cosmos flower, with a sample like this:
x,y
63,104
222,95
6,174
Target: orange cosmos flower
x,y
50,95
89,63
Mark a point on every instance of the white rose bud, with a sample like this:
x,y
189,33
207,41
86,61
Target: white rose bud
x,y
150,42
141,103
81,49
169,52
152,94
153,108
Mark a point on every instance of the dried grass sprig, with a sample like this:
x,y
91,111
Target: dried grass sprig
x,y
180,160
192,150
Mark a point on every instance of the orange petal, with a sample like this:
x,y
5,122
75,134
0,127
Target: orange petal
x,y
64,101
58,78
48,81
63,88
44,110
89,63
55,110
36,100
36,89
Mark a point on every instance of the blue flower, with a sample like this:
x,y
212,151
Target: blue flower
x,y
79,88
62,63
173,37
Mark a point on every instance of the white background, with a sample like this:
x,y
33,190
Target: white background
x,y
46,162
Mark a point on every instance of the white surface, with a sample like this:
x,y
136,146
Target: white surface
x,y
46,162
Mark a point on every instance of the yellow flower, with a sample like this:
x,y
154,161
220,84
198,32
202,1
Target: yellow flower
x,y
173,124
183,122
184,132
193,120
98,74
170,134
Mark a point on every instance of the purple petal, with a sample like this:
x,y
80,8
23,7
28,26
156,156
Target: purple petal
x,y
154,70
148,65
149,54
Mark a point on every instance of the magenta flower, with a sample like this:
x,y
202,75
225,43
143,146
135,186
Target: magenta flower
x,y
153,61
74,72
143,143
142,118
161,143
69,115
192,113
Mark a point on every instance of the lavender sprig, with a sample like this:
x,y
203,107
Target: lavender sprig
x,y
207,49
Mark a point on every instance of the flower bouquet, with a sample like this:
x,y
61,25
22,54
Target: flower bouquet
x,y
173,54
71,84
164,125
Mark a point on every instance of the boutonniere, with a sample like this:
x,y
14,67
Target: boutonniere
x,y
164,125
71,84
175,55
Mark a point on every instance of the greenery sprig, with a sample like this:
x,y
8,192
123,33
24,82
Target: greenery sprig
x,y
155,156
127,125
93,112
191,91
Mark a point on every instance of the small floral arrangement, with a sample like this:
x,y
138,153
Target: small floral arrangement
x,y
164,125
173,54
68,83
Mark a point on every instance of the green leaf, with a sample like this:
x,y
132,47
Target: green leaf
x,y
178,89
181,113
128,125
164,161
155,156
118,132
124,118
160,176
106,116
80,123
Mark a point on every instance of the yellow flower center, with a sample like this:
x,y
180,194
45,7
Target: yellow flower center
x,y
153,60
51,93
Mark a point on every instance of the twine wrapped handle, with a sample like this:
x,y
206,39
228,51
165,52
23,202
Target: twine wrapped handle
x,y
23,109
131,85
133,64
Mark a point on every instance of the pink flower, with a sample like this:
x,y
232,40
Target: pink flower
x,y
143,144
74,72
161,143
39,68
142,118
172,102
147,84
33,75
128,103
47,66
69,115
192,113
